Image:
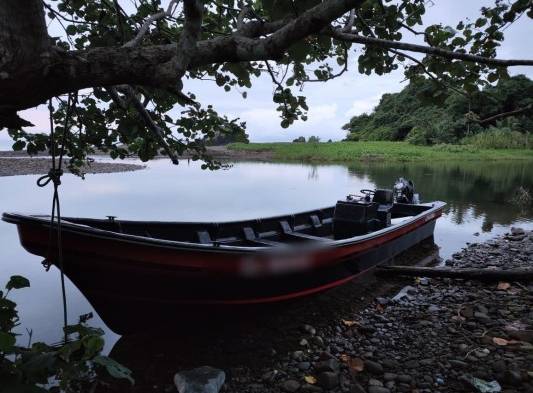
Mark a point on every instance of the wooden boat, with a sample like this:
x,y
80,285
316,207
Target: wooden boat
x,y
241,262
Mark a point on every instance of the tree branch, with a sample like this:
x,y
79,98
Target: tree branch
x,y
151,19
150,123
433,51
503,115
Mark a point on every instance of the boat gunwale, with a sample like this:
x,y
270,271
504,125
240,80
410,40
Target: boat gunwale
x,y
84,230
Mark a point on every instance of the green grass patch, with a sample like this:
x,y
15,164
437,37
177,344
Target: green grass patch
x,y
379,151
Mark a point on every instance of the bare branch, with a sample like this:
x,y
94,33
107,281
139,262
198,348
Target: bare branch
x,y
150,123
430,50
349,23
506,114
243,14
151,19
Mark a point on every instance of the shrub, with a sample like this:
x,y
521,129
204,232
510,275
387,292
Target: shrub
x,y
499,138
74,366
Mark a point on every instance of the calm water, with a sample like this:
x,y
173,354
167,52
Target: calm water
x,y
477,194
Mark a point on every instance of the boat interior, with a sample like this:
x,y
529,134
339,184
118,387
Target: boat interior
x,y
357,215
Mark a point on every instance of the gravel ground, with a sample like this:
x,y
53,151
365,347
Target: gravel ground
x,y
434,335
412,335
37,166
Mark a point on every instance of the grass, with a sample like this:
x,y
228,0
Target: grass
x,y
379,151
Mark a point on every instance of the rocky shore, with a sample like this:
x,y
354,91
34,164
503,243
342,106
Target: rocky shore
x,y
375,335
14,166
433,335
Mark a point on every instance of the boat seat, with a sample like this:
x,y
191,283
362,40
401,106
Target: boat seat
x,y
287,230
249,234
204,237
265,242
315,221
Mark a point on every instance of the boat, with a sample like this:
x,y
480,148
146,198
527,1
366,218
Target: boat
x,y
235,263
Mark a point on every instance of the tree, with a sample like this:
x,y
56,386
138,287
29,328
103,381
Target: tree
x,y
300,139
114,77
423,114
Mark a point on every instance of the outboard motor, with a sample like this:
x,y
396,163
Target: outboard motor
x,y
404,192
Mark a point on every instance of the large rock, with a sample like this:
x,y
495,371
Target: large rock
x,y
200,380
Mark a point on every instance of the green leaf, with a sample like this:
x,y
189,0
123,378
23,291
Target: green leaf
x,y
93,345
115,369
38,366
71,29
17,282
7,341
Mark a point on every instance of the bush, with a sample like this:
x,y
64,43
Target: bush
x,y
73,366
300,139
455,148
499,138
417,136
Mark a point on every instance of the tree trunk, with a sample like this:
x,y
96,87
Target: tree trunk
x,y
24,42
520,274
23,33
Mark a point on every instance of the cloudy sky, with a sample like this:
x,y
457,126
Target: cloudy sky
x,y
334,102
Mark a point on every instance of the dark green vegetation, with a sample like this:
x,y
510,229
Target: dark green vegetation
x,y
379,151
499,116
234,135
74,366
115,77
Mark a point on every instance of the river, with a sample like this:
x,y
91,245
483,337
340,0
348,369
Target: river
x,y
478,195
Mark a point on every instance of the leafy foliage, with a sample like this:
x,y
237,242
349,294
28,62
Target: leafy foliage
x,y
423,114
74,366
100,122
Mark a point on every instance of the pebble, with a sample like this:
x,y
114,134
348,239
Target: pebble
x,y
328,379
378,389
290,386
373,367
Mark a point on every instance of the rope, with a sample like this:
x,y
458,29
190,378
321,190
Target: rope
x,y
54,176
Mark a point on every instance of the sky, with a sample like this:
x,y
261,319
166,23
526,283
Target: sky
x,y
333,103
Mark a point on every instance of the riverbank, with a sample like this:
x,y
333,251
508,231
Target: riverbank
x,y
369,336
16,166
374,151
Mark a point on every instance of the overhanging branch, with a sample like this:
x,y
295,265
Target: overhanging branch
x,y
429,50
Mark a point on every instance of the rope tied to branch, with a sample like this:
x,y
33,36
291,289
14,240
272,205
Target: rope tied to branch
x,y
54,176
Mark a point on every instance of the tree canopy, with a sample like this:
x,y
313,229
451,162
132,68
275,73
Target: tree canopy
x,y
424,113
114,79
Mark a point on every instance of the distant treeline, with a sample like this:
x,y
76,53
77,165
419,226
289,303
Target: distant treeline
x,y
424,113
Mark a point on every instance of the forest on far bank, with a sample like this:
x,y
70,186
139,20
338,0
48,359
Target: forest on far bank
x,y
423,113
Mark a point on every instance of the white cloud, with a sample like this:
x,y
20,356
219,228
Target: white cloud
x,y
362,106
263,123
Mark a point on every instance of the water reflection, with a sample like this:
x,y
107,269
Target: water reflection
x,y
477,194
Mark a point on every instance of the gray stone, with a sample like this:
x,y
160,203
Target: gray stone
x,y
356,388
374,382
517,231
378,389
328,379
389,376
309,329
373,367
327,365
304,366
290,386
404,378
513,377
200,380
458,363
